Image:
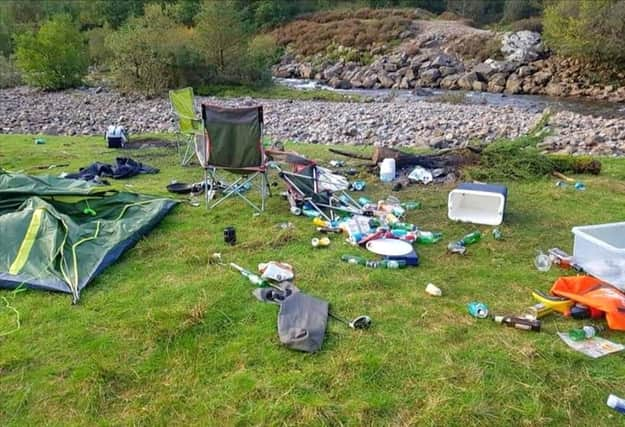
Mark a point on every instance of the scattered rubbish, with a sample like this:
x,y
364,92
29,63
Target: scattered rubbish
x,y
428,237
253,278
542,262
560,258
194,201
580,186
360,322
276,271
40,141
285,225
560,304
358,185
124,167
410,206
296,211
397,186
600,251
337,163
433,290
387,170
230,235
477,309
616,403
594,347
309,211
420,174
351,171
390,264
471,238
518,323
456,248
215,258
477,203
389,247
324,242
580,311
584,333
329,230
561,184
497,234
364,201
537,311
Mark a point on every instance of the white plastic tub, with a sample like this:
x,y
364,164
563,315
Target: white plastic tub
x,y
600,251
477,203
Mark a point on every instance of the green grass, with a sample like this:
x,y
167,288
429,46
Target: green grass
x,y
275,91
164,338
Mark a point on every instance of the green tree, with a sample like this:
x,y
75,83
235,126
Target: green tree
x,y
593,29
479,11
55,57
222,38
515,10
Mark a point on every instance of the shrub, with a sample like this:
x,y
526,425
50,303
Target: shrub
x,y
591,29
261,55
55,57
9,76
99,52
480,47
534,23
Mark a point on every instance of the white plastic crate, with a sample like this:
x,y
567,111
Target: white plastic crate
x,y
477,203
600,251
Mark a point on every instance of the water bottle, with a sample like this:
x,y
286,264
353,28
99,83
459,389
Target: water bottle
x,y
410,206
428,237
471,238
584,333
387,170
616,403
403,226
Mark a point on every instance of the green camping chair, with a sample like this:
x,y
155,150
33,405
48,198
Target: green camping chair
x,y
233,143
189,124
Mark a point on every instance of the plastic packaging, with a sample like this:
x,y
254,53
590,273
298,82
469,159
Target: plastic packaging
x,y
387,170
359,185
276,271
583,333
420,174
543,262
477,309
433,290
616,403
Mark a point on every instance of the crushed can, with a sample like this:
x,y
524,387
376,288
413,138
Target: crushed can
x,y
477,309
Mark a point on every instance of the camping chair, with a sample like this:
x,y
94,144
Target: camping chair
x,y
308,184
233,143
189,124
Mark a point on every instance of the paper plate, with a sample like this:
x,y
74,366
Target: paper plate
x,y
389,247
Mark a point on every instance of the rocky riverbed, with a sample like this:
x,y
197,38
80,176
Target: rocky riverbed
x,y
391,122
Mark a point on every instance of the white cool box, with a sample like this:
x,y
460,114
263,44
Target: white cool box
x,y
477,203
600,251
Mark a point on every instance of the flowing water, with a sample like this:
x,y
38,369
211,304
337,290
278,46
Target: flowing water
x,y
533,103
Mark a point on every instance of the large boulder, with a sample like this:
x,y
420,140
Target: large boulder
x,y
385,80
338,83
556,89
430,76
497,82
450,82
466,81
443,60
479,86
447,71
306,71
522,46
542,77
333,71
514,84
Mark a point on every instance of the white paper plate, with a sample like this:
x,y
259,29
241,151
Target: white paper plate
x,y
389,247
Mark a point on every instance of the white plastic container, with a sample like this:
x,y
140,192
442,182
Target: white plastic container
x,y
387,170
600,251
477,203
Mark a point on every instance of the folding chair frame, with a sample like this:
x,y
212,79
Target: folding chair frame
x,y
235,188
186,140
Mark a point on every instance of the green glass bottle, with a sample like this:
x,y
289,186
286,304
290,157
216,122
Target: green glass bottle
x,y
428,237
471,238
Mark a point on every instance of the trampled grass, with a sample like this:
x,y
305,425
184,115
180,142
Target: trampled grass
x,y
162,337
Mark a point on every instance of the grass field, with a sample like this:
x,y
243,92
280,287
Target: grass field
x,y
164,338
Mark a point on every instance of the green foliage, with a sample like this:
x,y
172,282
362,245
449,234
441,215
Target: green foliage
x,y
592,29
515,10
148,52
436,6
55,57
186,10
116,12
479,11
99,52
9,75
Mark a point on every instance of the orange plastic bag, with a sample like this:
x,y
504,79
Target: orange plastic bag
x,y
594,293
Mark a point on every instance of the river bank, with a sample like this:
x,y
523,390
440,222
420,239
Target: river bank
x,y
396,121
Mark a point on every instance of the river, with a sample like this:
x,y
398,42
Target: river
x,y
532,103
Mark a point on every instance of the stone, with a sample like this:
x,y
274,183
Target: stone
x,y
385,80
513,84
369,81
447,71
443,60
479,86
430,76
333,71
466,81
306,71
337,83
390,67
498,79
525,70
450,82
522,46
556,89
542,77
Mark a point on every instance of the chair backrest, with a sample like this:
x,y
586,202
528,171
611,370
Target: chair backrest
x,y
233,136
182,104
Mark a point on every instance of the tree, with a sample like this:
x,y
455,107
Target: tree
x,y
479,11
55,57
515,10
592,29
221,36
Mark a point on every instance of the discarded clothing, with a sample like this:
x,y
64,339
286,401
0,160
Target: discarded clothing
x,y
125,167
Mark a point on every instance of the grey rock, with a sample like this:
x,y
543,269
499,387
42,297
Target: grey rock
x,y
466,81
513,84
542,77
450,82
430,76
443,60
522,46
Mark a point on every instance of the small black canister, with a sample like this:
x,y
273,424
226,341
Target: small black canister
x,y
230,235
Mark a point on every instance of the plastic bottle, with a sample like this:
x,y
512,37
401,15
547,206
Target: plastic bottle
x,y
616,403
471,238
583,333
519,323
391,264
410,206
543,262
387,170
403,226
428,237
497,235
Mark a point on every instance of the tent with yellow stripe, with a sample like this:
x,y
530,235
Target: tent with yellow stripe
x,y
58,234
